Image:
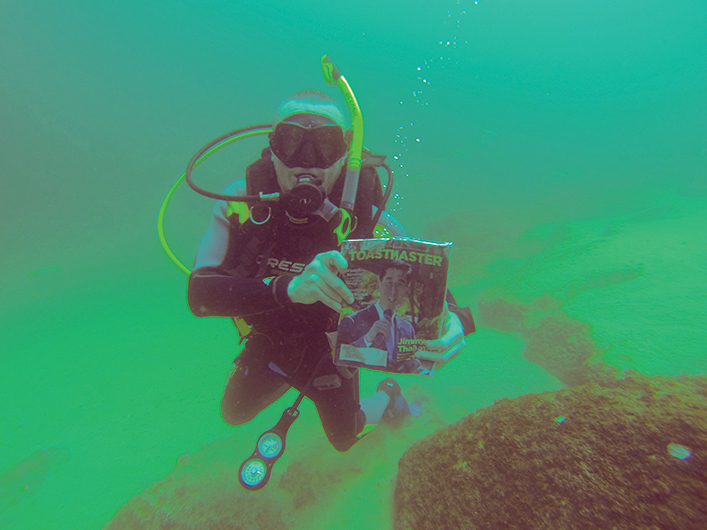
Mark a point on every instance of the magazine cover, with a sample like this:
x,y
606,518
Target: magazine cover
x,y
399,286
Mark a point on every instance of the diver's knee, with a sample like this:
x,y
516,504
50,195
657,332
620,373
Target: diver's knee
x,y
343,445
233,416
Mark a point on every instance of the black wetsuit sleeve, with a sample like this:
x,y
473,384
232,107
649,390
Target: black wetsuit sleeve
x,y
211,292
464,314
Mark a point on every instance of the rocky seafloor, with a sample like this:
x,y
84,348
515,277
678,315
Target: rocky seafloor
x,y
633,455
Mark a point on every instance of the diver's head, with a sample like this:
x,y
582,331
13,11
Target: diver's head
x,y
394,284
308,139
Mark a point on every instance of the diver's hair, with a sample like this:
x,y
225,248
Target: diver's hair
x,y
310,101
399,265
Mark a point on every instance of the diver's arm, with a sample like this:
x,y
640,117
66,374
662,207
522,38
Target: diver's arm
x,y
464,314
442,350
212,291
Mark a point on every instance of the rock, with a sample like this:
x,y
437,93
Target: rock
x,y
27,476
626,457
201,492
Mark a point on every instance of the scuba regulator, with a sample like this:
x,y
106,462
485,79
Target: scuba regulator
x,y
305,198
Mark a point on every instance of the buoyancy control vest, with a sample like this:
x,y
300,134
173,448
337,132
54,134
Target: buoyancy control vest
x,y
270,243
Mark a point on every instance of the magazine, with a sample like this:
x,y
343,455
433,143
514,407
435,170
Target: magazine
x,y
399,286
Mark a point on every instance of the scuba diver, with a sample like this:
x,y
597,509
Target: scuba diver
x,y
275,265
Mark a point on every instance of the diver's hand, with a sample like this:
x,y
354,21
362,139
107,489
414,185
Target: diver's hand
x,y
319,282
449,344
379,326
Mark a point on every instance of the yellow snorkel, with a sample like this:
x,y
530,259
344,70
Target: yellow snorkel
x,y
333,76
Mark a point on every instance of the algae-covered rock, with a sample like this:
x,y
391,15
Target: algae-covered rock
x,y
26,477
201,492
627,457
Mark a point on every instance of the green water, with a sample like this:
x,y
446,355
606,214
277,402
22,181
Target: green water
x,y
502,120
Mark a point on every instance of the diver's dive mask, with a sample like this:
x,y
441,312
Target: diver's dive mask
x,y
299,143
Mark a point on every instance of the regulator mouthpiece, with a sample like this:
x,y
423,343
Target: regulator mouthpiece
x,y
305,198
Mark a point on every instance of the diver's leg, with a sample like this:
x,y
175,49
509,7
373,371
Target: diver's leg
x,y
345,417
334,395
251,385
339,409
388,404
375,406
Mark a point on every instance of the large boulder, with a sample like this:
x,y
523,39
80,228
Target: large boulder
x,y
631,456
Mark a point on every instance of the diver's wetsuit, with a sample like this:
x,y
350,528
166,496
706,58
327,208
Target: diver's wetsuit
x,y
287,339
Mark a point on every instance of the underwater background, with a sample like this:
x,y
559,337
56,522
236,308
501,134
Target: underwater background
x,y
549,140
